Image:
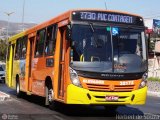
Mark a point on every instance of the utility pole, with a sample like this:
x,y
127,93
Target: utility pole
x,y
23,15
8,14
105,4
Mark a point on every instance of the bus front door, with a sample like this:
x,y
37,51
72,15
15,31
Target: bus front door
x,y
29,63
11,83
61,63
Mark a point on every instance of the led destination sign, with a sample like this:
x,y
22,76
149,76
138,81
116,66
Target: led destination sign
x,y
107,17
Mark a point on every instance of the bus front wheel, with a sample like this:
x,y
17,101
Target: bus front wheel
x,y
49,100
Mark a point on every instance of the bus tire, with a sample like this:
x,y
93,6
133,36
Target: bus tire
x,y
4,82
49,100
18,91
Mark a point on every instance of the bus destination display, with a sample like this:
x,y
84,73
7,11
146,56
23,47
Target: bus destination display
x,y
106,17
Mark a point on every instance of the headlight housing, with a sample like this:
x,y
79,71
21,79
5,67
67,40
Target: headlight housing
x,y
144,81
74,78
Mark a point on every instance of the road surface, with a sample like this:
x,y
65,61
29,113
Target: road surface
x,y
32,108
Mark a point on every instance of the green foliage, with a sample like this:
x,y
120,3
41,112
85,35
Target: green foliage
x,y
151,46
3,50
152,39
154,79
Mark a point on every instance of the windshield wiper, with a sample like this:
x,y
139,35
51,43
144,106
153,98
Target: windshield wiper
x,y
92,28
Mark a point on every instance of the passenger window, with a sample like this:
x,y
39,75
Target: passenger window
x,y
50,40
24,47
21,48
40,42
8,51
18,48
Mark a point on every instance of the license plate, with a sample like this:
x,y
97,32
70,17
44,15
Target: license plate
x,y
111,98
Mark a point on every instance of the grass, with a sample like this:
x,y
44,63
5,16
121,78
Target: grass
x,y
154,79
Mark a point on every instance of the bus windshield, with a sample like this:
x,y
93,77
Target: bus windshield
x,y
107,49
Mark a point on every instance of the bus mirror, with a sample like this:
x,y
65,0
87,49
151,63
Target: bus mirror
x,y
68,32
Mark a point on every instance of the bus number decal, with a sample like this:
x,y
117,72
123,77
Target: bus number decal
x,y
127,83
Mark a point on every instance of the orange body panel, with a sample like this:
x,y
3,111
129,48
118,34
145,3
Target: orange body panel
x,y
110,85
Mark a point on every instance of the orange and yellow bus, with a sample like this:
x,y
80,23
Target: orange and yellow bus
x,y
89,57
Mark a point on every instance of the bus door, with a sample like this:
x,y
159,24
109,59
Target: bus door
x,y
10,64
30,56
12,57
61,73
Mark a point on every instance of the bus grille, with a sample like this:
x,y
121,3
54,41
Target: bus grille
x,y
106,88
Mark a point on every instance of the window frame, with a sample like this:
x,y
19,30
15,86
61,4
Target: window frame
x,y
53,38
20,41
23,41
17,50
8,51
36,47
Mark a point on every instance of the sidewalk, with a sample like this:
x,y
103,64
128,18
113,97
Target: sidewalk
x,y
155,94
153,88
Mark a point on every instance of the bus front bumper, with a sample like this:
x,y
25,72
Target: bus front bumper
x,y
77,95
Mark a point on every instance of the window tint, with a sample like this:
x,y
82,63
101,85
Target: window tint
x,y
127,42
50,40
8,51
89,46
40,42
21,48
24,47
18,48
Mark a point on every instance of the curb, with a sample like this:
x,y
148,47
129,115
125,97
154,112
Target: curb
x,y
3,96
151,93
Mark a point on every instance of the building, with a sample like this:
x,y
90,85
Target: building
x,y
153,35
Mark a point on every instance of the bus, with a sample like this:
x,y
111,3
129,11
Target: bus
x,y
87,57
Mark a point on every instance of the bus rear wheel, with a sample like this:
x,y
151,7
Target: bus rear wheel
x,y
18,91
4,82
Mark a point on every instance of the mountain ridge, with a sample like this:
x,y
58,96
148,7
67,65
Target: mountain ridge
x,y
14,27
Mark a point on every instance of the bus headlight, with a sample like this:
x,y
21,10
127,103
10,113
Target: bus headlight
x,y
74,78
144,80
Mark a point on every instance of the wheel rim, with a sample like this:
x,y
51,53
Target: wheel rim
x,y
50,95
17,87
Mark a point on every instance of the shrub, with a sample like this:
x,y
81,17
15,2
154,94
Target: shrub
x,y
154,79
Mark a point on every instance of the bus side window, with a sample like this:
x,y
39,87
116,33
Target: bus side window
x,y
24,47
50,40
40,42
18,48
8,51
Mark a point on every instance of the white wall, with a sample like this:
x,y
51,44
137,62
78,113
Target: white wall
x,y
149,23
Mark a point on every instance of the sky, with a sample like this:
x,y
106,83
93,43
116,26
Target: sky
x,y
37,11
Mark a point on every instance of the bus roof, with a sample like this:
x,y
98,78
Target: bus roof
x,y
61,17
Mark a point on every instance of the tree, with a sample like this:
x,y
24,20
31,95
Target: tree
x,y
3,50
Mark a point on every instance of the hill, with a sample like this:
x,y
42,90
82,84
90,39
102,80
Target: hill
x,y
13,27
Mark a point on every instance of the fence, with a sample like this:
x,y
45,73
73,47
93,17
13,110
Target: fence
x,y
154,67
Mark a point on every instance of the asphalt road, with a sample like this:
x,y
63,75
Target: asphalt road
x,y
32,108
